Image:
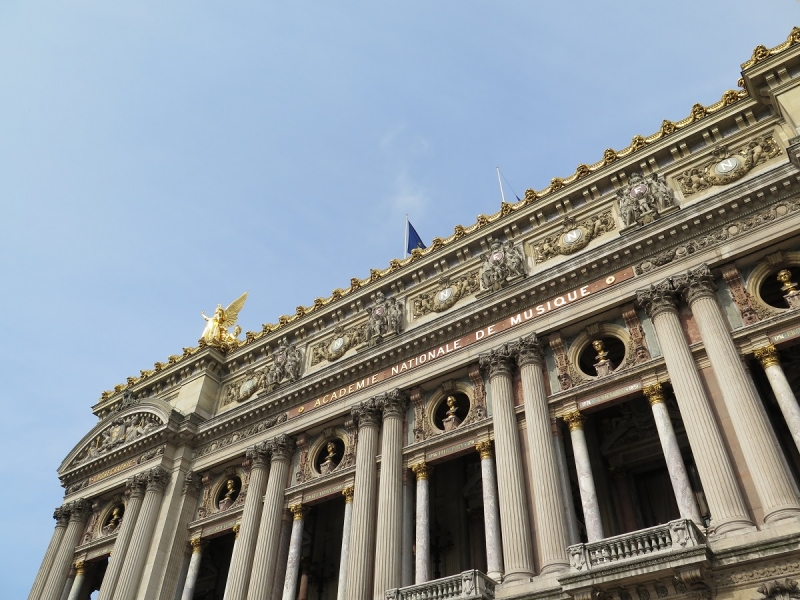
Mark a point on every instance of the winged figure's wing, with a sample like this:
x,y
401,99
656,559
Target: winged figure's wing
x,y
232,312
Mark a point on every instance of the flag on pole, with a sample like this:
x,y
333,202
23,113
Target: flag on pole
x,y
414,241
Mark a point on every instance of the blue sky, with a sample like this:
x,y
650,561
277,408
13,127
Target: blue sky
x,y
158,158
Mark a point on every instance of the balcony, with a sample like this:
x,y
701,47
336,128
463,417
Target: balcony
x,y
469,584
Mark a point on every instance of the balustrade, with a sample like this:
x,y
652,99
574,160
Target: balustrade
x,y
469,584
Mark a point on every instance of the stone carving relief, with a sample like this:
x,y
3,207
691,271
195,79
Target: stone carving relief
x,y
417,398
333,349
241,434
254,381
573,236
384,318
351,431
223,491
562,361
503,264
777,589
446,294
324,446
638,344
643,199
726,166
478,412
741,298
287,362
105,519
121,431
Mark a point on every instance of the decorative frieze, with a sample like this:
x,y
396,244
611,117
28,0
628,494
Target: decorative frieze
x,y
726,165
741,298
384,318
573,236
333,349
447,293
239,435
121,431
503,264
643,199
638,344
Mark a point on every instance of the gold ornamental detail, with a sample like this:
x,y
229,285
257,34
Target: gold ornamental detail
x,y
484,449
574,419
767,356
654,394
762,52
422,470
298,511
348,494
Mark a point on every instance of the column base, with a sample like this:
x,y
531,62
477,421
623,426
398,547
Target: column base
x,y
782,512
734,525
518,577
554,568
496,575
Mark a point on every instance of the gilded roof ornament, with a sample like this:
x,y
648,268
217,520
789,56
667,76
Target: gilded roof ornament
x,y
762,53
216,332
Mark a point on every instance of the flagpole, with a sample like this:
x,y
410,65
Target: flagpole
x,y
405,242
500,181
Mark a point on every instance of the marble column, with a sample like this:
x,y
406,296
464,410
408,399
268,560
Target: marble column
x,y
514,521
550,523
422,536
583,467
389,534
68,586
407,570
361,554
491,512
135,491
283,555
295,551
131,575
684,495
77,583
768,357
257,460
61,515
62,561
573,530
749,419
198,546
728,512
269,532
348,520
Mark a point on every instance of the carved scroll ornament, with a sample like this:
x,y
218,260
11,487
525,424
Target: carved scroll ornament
x,y
446,294
573,236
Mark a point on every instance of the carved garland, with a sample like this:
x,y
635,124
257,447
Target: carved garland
x,y
447,293
573,236
241,434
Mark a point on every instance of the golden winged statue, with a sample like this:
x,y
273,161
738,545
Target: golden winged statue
x,y
216,332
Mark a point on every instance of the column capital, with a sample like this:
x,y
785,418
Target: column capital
x,y
767,355
257,456
79,510
281,448
695,283
192,483
657,298
528,350
367,413
574,419
422,470
61,515
298,512
157,479
654,394
498,361
198,544
484,448
348,494
393,404
80,567
236,529
135,485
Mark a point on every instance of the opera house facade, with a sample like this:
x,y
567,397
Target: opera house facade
x,y
590,394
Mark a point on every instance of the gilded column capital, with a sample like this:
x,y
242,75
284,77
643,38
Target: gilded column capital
x,y
657,298
574,419
236,529
348,494
484,448
393,404
422,470
61,515
654,394
157,479
498,361
80,567
198,544
695,283
298,512
528,350
767,355
257,456
192,483
281,447
367,413
79,510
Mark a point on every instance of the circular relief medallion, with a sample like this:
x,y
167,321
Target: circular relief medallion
x,y
497,257
444,295
247,388
729,165
337,344
572,237
639,190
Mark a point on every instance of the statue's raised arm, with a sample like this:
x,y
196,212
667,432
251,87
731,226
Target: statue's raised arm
x,y
216,331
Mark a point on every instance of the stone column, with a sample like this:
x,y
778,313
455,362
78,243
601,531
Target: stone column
x,y
77,583
573,530
748,417
257,459
198,545
514,523
68,586
422,537
348,520
283,555
407,575
131,575
768,357
135,490
62,561
295,551
491,512
728,512
389,535
591,507
263,572
362,530
549,516
61,515
684,495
